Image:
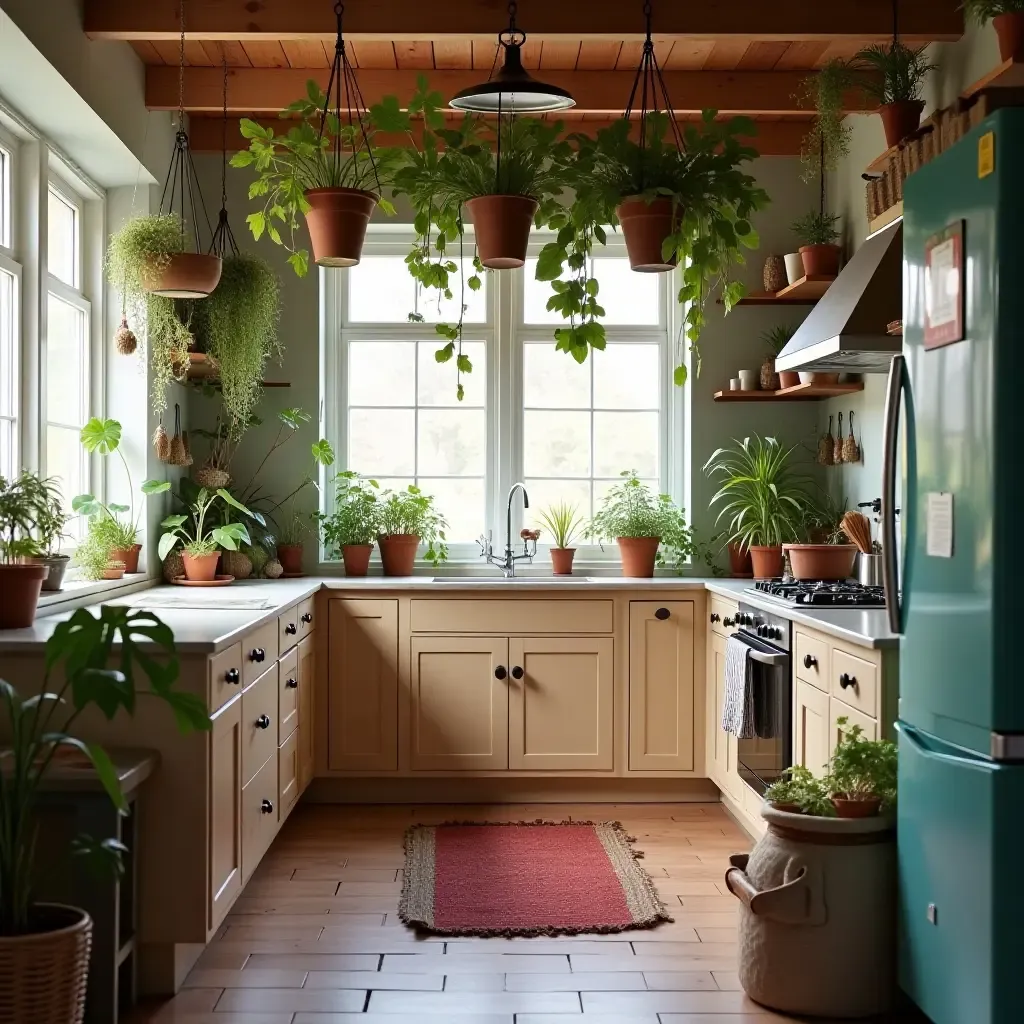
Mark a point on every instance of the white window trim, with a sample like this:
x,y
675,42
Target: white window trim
x,y
11,266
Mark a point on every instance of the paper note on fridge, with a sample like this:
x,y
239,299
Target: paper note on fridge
x,y
940,524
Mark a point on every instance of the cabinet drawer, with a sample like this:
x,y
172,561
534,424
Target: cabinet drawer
x,y
305,613
837,710
504,617
719,611
855,682
288,695
259,652
259,816
225,676
288,774
259,723
288,629
811,664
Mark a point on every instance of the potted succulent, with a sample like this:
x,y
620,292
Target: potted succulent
x,y
351,528
760,499
564,522
800,792
405,520
775,340
827,556
44,947
49,531
649,528
895,76
1007,17
818,233
862,775
828,141
201,537
23,503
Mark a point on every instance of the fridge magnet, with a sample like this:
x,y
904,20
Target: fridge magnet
x,y
944,287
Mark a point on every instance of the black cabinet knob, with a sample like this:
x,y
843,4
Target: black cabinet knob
x,y
267,807
715,617
291,629
292,684
500,672
846,680
263,722
810,661
257,654
232,675
727,622
662,613
517,672
307,617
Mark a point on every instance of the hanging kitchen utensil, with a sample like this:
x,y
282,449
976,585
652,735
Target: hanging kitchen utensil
x,y
826,447
178,456
837,447
124,339
161,442
851,450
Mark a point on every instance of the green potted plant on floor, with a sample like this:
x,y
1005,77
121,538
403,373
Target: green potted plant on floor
x,y
761,499
22,504
818,234
201,537
828,141
405,520
895,75
564,522
1007,17
649,528
44,947
862,775
352,527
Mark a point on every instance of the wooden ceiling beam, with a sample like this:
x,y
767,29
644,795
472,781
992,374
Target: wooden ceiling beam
x,y
269,90
920,20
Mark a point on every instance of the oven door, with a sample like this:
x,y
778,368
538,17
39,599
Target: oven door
x,y
766,755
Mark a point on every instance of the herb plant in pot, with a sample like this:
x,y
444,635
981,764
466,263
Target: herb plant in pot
x,y
895,76
22,504
405,520
800,792
1007,17
201,537
351,528
818,233
290,543
564,522
862,776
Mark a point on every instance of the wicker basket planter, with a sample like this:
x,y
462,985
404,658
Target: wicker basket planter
x,y
43,975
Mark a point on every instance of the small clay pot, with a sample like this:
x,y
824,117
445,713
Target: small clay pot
x,y
638,556
820,260
398,553
130,557
201,568
356,558
113,571
788,808
1010,31
337,220
768,561
822,561
57,564
187,275
645,226
290,557
788,378
900,119
561,561
19,594
866,808
502,225
740,562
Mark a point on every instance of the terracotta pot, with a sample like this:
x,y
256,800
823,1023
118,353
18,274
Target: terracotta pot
x,y
201,568
768,561
57,564
1010,30
356,558
43,974
561,561
900,119
740,562
788,378
808,377
19,594
290,557
188,275
130,557
502,226
820,260
638,556
821,561
645,226
788,808
337,220
865,808
113,572
398,553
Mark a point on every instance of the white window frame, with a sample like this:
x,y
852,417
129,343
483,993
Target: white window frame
x,y
8,264
504,391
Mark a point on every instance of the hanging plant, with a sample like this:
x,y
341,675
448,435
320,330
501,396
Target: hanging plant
x,y
897,74
828,141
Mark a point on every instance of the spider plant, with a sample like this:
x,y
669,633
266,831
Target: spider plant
x,y
563,521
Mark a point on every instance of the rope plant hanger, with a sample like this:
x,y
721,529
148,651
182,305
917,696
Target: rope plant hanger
x,y
223,241
191,273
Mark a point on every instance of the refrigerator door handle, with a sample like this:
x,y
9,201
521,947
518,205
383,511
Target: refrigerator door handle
x,y
913,736
890,461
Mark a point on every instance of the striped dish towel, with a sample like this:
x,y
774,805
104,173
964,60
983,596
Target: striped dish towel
x,y
738,705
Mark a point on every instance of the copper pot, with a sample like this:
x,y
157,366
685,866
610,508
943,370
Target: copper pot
x,y
502,225
337,220
645,226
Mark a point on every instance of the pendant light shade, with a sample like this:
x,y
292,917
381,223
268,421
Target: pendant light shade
x,y
512,90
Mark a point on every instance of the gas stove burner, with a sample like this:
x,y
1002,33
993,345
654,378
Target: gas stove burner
x,y
821,593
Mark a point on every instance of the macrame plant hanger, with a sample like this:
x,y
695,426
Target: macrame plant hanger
x,y
223,241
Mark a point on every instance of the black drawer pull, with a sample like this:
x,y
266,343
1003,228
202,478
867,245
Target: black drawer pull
x,y
307,617
715,617
810,661
257,654
263,722
267,807
292,684
232,675
291,629
500,672
517,672
846,680
662,613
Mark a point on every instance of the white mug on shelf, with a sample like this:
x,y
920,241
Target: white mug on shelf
x,y
735,384
749,380
794,267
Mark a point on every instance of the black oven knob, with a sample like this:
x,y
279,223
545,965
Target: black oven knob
x,y
777,633
727,622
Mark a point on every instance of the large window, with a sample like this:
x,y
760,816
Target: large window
x,y
10,288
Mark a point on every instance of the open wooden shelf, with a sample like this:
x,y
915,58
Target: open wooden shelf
x,y
883,220
1008,75
202,371
804,292
798,393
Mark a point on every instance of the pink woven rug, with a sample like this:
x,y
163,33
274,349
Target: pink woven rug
x,y
537,878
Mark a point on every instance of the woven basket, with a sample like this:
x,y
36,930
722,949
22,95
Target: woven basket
x,y
43,976
212,478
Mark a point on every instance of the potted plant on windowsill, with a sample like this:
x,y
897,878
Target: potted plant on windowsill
x,y
760,499
351,528
50,520
22,504
817,233
407,519
895,76
564,522
862,774
201,537
1007,17
44,947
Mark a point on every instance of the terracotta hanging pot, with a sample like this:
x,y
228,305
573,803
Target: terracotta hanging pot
x,y
356,558
290,557
19,594
638,556
561,561
337,219
502,225
900,119
820,260
822,561
645,226
767,560
201,568
398,553
187,275
1010,30
130,557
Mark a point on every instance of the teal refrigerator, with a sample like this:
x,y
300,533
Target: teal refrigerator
x,y
954,429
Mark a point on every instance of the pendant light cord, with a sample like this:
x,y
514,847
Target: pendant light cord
x,y
895,23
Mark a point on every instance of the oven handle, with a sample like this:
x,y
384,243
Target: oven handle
x,y
764,657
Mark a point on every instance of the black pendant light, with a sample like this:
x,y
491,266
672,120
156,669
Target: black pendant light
x,y
513,90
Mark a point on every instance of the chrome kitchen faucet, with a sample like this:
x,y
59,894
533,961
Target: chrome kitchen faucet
x,y
507,564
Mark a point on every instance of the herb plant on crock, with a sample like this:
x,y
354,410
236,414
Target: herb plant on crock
x,y
895,76
351,529
862,776
1007,17
801,792
817,233
564,522
406,519
201,536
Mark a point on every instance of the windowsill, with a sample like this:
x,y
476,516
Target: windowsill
x,y
76,592
541,570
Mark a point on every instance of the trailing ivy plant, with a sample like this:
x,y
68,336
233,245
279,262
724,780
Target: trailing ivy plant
x,y
828,141
896,72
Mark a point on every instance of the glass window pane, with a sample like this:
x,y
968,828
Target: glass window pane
x,y
626,440
66,378
535,297
452,442
627,297
8,460
382,441
554,380
381,373
461,502
437,381
545,493
435,308
8,348
626,377
556,444
380,290
65,461
62,239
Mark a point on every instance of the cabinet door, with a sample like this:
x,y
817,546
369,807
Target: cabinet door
x,y
718,741
225,826
661,686
837,709
560,709
307,680
363,685
811,727
459,715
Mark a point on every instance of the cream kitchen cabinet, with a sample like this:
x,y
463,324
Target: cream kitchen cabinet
x,y
721,752
307,682
811,727
225,857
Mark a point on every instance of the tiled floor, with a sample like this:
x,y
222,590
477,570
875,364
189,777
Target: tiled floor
x,y
315,938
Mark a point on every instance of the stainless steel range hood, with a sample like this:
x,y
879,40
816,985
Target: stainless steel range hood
x,y
846,329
